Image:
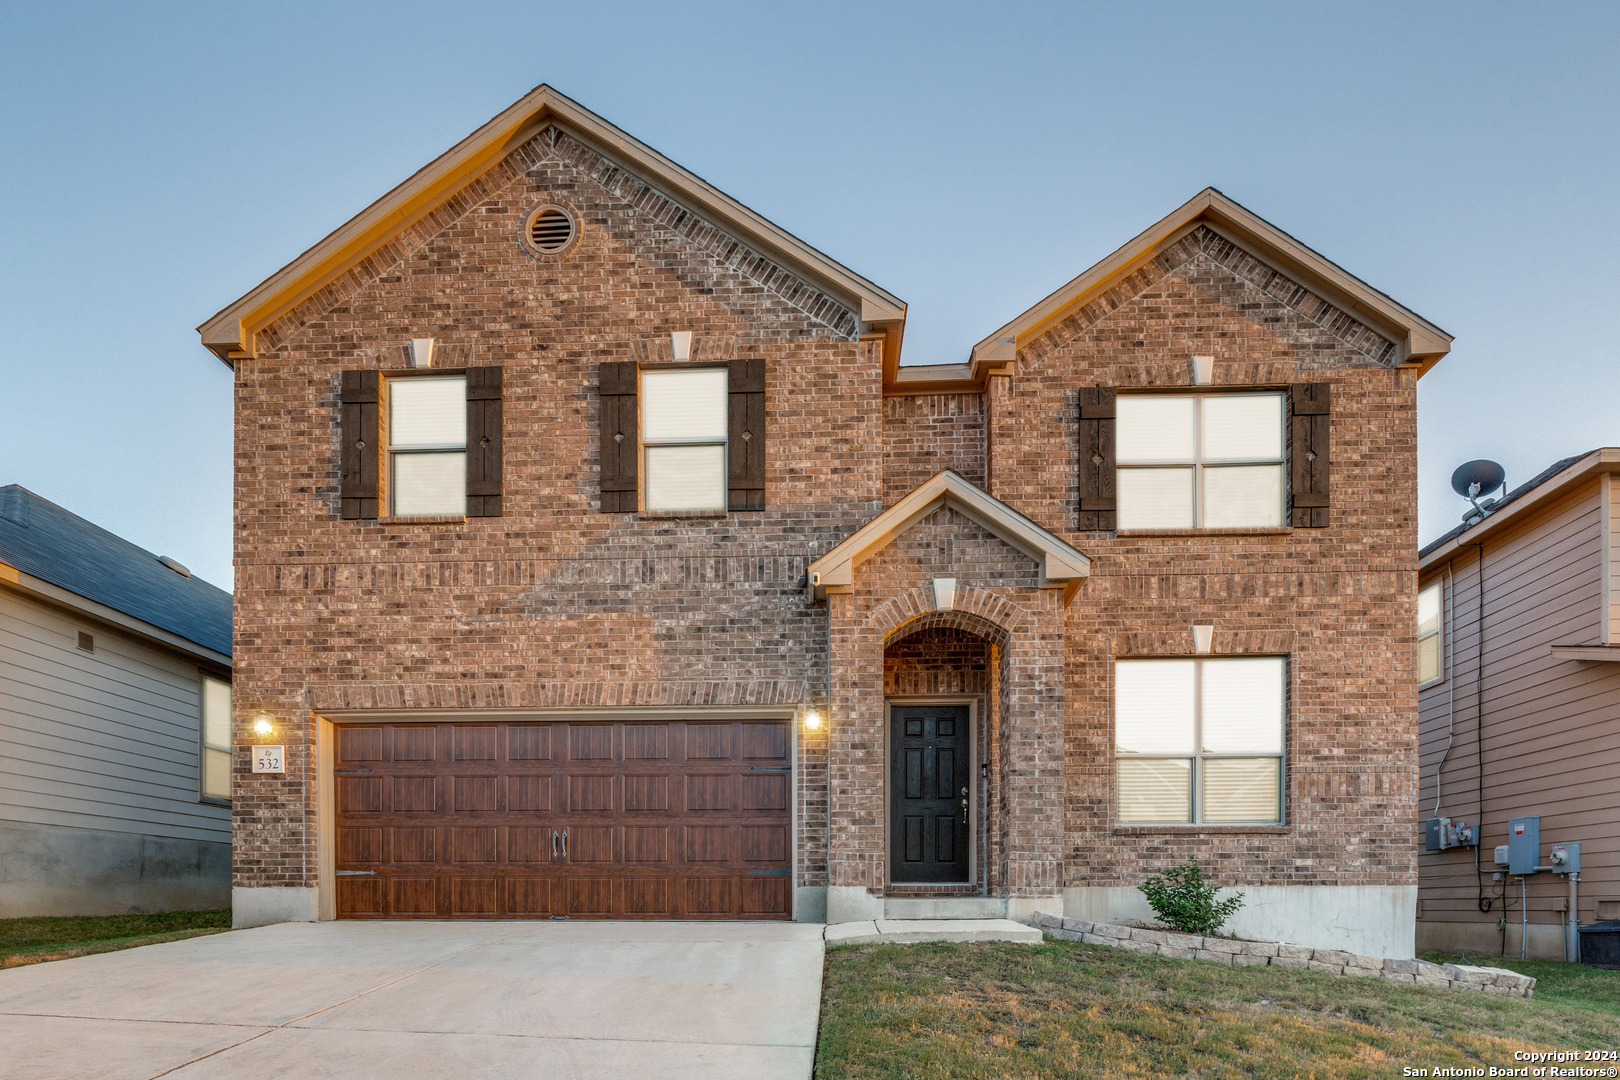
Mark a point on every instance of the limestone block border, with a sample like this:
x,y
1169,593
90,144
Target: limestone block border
x,y
1235,953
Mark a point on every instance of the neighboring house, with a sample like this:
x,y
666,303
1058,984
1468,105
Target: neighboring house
x,y
115,703
597,558
1540,662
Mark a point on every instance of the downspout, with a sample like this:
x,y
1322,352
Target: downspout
x,y
1451,697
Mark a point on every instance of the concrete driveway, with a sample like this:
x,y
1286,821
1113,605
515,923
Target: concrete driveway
x,y
401,1001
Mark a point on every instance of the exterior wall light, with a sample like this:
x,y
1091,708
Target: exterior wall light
x,y
262,724
812,720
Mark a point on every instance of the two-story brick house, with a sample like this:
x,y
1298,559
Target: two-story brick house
x,y
596,557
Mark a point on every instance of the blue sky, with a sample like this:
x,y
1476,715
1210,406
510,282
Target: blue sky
x,y
158,161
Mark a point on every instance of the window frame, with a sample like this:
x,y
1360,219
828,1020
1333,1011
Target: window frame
x,y
391,451
1196,817
1438,633
204,746
1197,463
644,472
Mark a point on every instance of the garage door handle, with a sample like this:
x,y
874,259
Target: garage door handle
x,y
553,843
355,873
565,843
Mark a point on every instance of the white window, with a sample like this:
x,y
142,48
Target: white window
x,y
1199,740
683,432
216,738
1429,634
1199,461
427,445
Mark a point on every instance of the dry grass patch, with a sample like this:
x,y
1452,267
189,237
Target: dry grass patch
x,y
1063,1009
33,941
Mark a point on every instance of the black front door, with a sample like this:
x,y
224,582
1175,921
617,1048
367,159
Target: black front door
x,y
928,793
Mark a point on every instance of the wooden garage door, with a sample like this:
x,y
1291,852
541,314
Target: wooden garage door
x,y
681,819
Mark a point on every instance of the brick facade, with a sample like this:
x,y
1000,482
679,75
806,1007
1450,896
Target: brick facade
x,y
558,606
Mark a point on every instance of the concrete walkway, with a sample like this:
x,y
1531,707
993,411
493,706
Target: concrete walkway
x,y
402,1001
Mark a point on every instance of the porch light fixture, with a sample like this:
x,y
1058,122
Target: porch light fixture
x,y
812,720
262,724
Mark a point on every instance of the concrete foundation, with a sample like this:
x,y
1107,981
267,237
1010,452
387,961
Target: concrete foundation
x,y
1373,920
810,904
262,907
1482,940
56,870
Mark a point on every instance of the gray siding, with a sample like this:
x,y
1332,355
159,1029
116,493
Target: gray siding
x,y
1552,727
105,741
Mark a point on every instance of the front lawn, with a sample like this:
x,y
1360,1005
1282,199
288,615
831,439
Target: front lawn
x,y
30,941
1063,1009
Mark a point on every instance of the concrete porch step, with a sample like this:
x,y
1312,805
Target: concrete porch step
x,y
944,907
907,931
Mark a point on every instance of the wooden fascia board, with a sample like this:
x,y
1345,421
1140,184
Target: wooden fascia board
x,y
1419,339
1060,564
1606,460
232,329
56,596
1608,654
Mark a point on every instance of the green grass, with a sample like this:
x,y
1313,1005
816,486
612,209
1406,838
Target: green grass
x,y
31,941
1061,1009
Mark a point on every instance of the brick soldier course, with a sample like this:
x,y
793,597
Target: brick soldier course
x,y
1004,592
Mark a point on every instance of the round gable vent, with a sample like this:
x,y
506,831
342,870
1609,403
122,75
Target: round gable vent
x,y
550,230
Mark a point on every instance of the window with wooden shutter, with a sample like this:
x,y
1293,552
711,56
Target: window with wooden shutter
x,y
1310,413
745,435
359,453
1098,508
484,442
616,388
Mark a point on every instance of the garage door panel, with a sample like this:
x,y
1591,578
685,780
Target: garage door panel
x,y
528,742
414,895
415,795
475,896
591,794
708,791
667,819
414,845
528,794
411,743
646,794
475,743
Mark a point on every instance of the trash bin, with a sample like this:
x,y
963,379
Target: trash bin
x,y
1600,944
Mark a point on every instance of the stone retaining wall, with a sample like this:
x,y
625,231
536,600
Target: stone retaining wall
x,y
1279,954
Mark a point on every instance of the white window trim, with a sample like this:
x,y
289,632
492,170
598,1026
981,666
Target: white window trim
x,y
643,472
1197,463
1197,758
1439,633
391,451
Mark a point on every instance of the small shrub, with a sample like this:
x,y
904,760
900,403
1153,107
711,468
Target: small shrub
x,y
1184,900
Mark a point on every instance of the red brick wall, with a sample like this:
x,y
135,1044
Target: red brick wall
x,y
924,433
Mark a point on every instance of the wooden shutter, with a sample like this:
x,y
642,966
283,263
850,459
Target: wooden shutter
x,y
745,435
360,450
1098,507
616,387
484,442
1310,413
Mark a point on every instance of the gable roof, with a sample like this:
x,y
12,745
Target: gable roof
x,y
41,541
230,333
1059,563
1418,342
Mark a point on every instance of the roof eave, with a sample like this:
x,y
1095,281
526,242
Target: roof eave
x,y
230,332
1598,462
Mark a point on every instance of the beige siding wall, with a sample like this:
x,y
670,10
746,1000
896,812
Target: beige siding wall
x,y
1552,727
105,740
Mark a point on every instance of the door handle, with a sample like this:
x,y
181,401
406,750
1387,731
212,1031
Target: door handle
x,y
964,812
553,843
565,843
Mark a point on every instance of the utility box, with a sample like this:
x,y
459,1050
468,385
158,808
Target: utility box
x,y
1501,854
1436,834
1524,845
1565,858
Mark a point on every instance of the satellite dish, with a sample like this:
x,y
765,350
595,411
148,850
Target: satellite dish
x,y
1475,478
